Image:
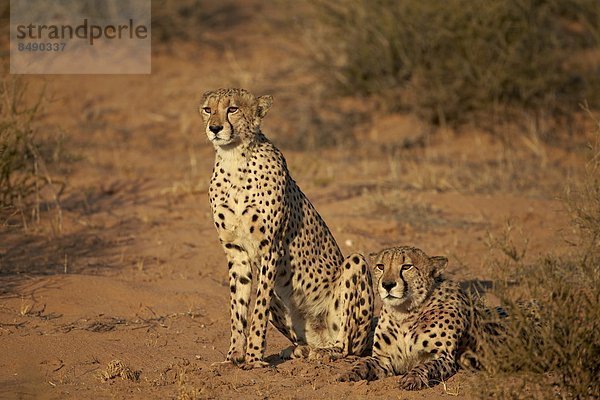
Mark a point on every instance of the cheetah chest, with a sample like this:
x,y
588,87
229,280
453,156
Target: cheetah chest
x,y
399,340
236,210
237,220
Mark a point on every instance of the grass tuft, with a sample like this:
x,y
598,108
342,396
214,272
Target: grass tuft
x,y
25,182
558,350
118,369
18,151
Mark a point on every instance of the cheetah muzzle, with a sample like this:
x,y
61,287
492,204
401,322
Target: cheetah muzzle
x,y
275,240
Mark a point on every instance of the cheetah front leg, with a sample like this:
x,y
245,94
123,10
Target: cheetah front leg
x,y
240,287
369,368
257,335
352,311
430,372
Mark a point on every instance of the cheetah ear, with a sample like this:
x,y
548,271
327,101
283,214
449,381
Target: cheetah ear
x,y
438,265
264,104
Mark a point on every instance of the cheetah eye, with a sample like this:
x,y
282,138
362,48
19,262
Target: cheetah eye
x,y
407,267
379,267
206,110
232,110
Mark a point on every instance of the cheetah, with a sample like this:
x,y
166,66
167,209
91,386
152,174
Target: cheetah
x,y
272,235
425,323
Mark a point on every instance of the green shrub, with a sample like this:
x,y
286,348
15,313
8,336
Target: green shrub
x,y
452,61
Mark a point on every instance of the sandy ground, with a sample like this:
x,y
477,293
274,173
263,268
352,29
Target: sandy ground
x,y
134,271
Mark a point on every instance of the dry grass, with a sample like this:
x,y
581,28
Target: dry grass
x,y
583,199
18,152
559,354
405,208
504,174
26,185
481,166
118,369
461,61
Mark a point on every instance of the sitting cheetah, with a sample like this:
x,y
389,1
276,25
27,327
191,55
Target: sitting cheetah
x,y
425,322
271,233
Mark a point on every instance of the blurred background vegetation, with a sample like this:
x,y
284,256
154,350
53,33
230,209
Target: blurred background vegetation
x,y
462,61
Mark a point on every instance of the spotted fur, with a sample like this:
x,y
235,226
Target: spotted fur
x,y
273,236
425,322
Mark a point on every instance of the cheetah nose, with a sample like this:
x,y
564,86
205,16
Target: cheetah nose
x,y
388,285
215,128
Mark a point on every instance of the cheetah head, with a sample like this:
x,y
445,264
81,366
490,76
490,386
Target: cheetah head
x,y
232,116
406,275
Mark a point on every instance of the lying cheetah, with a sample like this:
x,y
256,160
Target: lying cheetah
x,y
271,233
425,322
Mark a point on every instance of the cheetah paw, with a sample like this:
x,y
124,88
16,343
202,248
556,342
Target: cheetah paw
x,y
326,354
351,376
235,357
254,364
299,351
412,382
